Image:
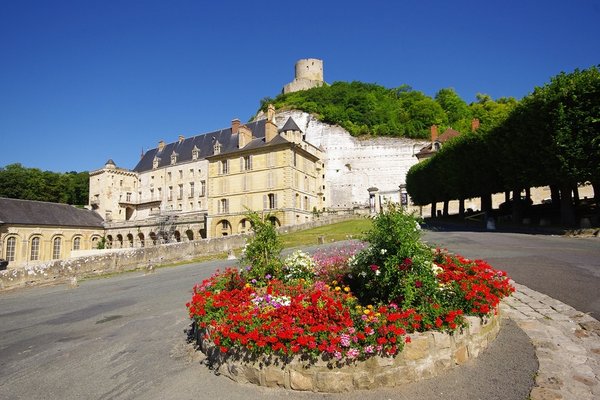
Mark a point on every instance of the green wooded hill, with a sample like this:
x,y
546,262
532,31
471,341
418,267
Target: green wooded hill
x,y
367,108
19,182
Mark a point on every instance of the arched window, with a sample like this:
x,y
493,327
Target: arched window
x,y
77,243
11,248
56,244
35,249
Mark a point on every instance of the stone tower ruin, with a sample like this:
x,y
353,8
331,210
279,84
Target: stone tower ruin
x,y
309,74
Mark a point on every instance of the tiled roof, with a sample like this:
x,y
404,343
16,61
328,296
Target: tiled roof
x,y
27,212
204,143
290,125
447,135
443,138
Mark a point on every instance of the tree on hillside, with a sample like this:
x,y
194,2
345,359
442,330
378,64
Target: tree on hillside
x,y
458,112
18,182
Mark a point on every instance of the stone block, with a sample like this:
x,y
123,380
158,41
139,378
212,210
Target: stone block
x,y
461,355
301,381
441,340
274,376
538,393
417,349
363,380
333,382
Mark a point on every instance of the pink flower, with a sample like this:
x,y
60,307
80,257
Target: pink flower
x,y
374,267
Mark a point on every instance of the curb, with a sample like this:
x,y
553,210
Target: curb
x,y
566,341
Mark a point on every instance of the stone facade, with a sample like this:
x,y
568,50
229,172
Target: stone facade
x,y
309,74
98,262
353,165
428,354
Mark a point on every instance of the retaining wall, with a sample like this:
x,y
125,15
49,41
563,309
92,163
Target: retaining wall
x,y
120,260
427,355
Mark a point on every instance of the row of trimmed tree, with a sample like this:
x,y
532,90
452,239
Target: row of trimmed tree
x,y
551,138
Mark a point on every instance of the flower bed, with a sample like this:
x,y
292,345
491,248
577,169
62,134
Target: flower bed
x,y
344,307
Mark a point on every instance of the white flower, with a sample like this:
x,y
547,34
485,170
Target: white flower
x,y
436,269
377,272
383,251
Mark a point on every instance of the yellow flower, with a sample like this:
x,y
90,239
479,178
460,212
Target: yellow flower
x,y
346,289
367,311
337,288
370,306
377,314
358,307
248,285
334,282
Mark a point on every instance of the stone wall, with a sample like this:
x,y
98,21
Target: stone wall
x,y
427,355
354,165
120,260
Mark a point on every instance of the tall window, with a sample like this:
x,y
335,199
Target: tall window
x,y
128,197
192,189
35,249
202,188
224,167
11,247
270,180
170,194
272,201
224,206
77,243
247,163
56,248
180,195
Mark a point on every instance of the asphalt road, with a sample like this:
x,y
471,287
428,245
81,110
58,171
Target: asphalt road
x,y
124,337
565,268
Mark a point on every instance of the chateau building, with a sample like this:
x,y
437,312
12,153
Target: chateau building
x,y
202,187
280,173
36,231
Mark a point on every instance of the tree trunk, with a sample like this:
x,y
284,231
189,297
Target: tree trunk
x,y
507,196
596,186
555,195
446,203
433,209
567,211
528,194
517,209
461,207
486,202
575,195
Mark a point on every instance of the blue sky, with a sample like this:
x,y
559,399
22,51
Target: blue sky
x,y
84,81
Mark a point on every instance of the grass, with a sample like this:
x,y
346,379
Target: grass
x,y
352,229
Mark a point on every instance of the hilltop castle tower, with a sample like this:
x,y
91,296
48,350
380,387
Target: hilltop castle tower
x,y
309,74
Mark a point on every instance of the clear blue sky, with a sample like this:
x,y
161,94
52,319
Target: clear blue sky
x,y
84,81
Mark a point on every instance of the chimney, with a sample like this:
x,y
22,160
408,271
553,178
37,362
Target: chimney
x,y
161,145
434,133
474,124
181,138
244,136
270,126
235,126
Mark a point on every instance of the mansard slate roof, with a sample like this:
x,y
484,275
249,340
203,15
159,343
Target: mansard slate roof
x,y
204,143
28,212
290,125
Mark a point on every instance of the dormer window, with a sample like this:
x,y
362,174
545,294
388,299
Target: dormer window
x,y
195,153
173,158
217,148
436,146
155,162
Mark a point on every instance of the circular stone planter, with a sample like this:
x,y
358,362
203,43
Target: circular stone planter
x,y
427,355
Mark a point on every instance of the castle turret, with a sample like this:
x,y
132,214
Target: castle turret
x,y
309,74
